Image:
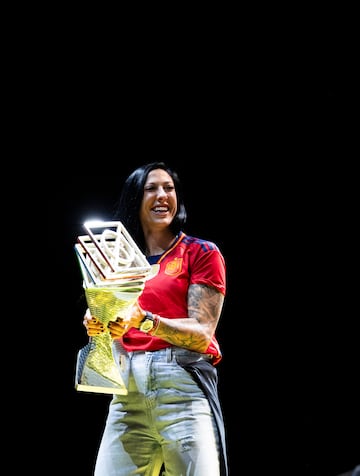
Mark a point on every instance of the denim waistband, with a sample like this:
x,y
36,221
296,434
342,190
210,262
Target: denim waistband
x,y
170,353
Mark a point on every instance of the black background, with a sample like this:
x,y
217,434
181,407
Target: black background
x,y
288,376
266,176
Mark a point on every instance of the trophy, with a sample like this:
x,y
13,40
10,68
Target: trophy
x,y
114,272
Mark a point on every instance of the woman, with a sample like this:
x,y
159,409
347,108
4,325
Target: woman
x,y
171,418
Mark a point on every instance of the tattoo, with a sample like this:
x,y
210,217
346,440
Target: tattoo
x,y
204,304
195,332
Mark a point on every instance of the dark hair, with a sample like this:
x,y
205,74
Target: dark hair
x,y
129,203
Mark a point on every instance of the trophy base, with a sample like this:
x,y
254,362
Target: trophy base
x,y
88,379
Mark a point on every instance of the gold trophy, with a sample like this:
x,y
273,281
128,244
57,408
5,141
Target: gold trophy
x,y
114,272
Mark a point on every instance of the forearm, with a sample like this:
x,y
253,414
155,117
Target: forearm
x,y
194,332
187,333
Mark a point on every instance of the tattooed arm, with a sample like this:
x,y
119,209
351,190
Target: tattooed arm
x,y
195,332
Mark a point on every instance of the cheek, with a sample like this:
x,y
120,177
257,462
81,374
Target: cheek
x,y
173,211
142,214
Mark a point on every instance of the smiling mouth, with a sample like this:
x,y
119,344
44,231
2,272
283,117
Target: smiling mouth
x,y
160,209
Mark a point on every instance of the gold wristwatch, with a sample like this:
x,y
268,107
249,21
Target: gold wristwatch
x,y
147,324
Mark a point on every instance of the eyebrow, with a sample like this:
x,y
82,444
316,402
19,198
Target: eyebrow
x,y
161,183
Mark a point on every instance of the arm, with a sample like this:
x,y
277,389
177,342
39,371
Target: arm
x,y
193,333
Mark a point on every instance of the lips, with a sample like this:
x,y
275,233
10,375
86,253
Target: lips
x,y
160,209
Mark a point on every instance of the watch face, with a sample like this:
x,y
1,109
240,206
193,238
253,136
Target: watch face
x,y
147,325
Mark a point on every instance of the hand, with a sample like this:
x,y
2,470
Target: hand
x,y
122,324
93,326
116,328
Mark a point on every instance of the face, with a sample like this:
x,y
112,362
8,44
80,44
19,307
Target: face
x,y
159,203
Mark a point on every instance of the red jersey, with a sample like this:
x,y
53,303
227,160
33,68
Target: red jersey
x,y
189,261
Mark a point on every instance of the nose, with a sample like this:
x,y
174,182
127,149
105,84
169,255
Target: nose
x,y
161,192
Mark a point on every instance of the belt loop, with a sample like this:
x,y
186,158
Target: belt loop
x,y
168,354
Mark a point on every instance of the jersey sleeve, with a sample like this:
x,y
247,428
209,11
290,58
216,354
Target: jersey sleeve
x,y
209,268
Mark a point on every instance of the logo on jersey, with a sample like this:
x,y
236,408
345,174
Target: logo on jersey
x,y
173,268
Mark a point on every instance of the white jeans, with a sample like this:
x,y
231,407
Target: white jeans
x,y
164,419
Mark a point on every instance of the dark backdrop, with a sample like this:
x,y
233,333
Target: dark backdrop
x,y
287,380
267,176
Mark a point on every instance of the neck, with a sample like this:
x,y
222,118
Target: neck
x,y
157,244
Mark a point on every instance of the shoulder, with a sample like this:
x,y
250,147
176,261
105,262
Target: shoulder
x,y
201,244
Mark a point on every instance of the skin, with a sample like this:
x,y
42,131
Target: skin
x,y
158,208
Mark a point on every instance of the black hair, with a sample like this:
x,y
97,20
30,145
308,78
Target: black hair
x,y
129,203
